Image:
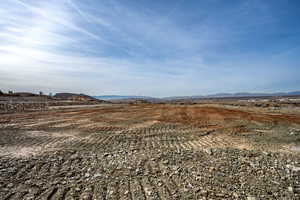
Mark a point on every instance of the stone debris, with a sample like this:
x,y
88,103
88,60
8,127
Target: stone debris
x,y
25,106
147,152
293,168
229,174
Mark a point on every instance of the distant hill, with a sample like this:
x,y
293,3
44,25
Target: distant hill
x,y
217,95
120,97
241,94
73,96
294,93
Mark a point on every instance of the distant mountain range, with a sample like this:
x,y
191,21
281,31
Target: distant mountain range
x,y
218,95
120,97
241,94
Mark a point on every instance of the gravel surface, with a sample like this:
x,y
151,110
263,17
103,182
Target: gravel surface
x,y
157,174
148,152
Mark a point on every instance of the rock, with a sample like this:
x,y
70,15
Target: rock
x,y
74,156
86,196
292,133
110,192
204,192
291,189
97,175
189,185
105,154
220,195
235,195
165,162
148,191
209,151
252,198
293,168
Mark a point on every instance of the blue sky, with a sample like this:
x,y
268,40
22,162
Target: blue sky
x,y
154,48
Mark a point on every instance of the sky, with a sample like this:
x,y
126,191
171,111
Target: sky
x,y
151,48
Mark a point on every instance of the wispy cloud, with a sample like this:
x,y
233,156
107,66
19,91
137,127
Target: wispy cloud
x,y
59,15
129,47
79,11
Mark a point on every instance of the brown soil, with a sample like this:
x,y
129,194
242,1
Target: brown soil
x,y
149,152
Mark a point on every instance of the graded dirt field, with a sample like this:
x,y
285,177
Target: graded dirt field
x,y
150,151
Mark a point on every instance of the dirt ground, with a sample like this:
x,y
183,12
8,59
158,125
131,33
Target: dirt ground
x,y
150,151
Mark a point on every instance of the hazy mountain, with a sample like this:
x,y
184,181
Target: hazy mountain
x,y
119,97
217,95
68,96
240,94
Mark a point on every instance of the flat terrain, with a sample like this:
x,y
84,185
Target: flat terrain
x,y
150,151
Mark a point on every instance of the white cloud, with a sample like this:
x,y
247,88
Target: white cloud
x,y
111,47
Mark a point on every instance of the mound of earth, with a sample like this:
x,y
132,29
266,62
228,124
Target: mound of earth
x,y
73,96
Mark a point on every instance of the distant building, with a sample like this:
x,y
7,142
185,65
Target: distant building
x,y
10,92
41,93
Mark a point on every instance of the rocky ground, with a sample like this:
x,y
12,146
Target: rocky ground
x,y
157,174
148,152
